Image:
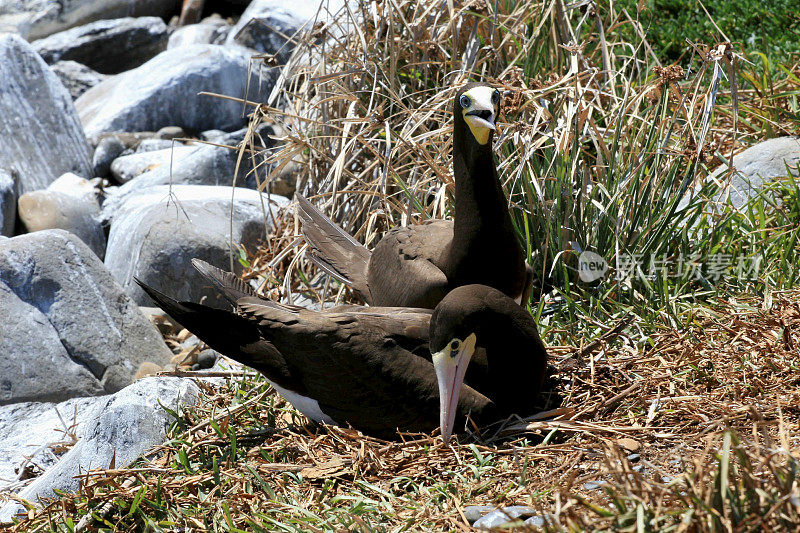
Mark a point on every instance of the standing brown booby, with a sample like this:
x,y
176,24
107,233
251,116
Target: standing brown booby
x,y
372,367
416,266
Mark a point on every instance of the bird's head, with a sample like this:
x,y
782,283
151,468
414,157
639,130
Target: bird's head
x,y
479,319
478,105
461,323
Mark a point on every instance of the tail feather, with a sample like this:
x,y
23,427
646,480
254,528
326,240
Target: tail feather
x,y
333,250
229,285
228,333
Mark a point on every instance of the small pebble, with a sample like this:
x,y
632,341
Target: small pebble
x,y
207,359
189,342
147,369
108,149
629,444
540,521
594,485
170,132
634,457
212,135
153,145
502,516
474,512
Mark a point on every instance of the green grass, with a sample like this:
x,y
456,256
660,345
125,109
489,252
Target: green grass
x,y
771,27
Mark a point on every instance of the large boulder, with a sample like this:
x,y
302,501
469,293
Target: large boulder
x,y
155,234
107,46
205,164
8,203
69,203
99,326
759,165
76,78
41,137
163,92
35,19
266,24
29,433
37,366
111,431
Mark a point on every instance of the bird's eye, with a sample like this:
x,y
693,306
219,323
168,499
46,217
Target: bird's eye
x,y
496,97
464,101
455,345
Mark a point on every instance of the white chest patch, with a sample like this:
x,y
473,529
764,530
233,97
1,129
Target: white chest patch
x,y
308,406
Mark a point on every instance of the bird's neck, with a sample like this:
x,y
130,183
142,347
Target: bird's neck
x,y
481,208
516,365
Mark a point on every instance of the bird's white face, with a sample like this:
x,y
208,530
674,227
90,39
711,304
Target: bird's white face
x,y
479,106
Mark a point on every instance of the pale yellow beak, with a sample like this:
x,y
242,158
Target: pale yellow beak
x,y
450,368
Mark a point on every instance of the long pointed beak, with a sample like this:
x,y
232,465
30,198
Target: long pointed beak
x,y
450,369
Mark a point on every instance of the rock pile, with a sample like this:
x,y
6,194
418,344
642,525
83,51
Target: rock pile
x,y
104,175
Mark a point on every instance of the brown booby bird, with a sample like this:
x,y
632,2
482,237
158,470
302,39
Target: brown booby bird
x,y
380,369
416,266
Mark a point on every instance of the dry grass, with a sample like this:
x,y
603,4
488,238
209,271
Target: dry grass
x,y
599,140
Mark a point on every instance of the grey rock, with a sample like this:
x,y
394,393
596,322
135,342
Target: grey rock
x,y
35,19
155,234
107,46
201,33
170,132
760,164
118,428
26,430
76,78
108,149
207,359
594,485
38,367
152,145
39,146
190,342
127,167
163,92
541,521
130,140
8,203
502,516
101,328
474,512
204,165
262,23
69,203
212,135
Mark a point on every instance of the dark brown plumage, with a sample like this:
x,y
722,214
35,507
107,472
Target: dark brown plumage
x,y
416,266
371,367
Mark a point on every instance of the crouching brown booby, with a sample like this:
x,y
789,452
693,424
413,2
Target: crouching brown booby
x,y
380,369
416,266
